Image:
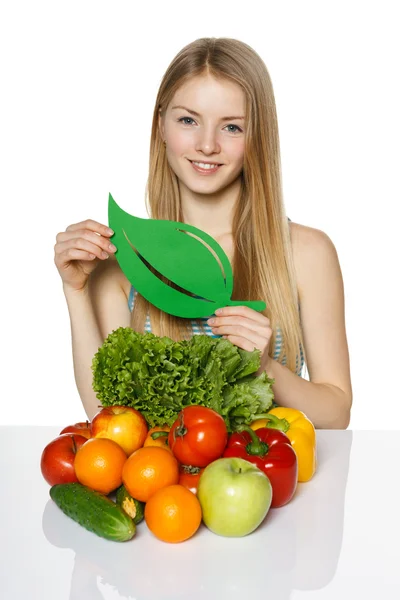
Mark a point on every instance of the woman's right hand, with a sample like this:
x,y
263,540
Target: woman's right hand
x,y
79,249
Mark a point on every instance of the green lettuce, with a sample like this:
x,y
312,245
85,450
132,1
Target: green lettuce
x,y
158,377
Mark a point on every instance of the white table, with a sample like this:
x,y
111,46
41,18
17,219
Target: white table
x,y
338,538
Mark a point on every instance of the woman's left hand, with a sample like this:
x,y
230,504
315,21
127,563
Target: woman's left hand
x,y
244,327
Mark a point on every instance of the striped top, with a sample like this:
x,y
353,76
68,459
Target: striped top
x,y
208,331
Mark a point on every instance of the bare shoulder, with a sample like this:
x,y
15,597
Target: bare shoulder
x,y
306,240
313,253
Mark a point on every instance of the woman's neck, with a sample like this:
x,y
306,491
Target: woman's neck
x,y
212,213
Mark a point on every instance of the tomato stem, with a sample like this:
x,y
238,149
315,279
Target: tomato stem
x,y
181,430
191,470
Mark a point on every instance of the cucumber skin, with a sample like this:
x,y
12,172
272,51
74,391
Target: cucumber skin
x,y
93,511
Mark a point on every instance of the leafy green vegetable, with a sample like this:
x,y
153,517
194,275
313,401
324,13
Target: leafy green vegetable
x,y
159,377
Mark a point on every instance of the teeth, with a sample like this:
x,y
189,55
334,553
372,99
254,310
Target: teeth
x,y
205,165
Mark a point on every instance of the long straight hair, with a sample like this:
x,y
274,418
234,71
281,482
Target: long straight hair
x,y
262,262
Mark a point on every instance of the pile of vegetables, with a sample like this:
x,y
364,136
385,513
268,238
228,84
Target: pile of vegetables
x,y
159,377
188,433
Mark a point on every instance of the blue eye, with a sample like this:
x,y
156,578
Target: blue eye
x,y
183,119
237,129
190,121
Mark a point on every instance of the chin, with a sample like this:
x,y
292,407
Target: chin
x,y
207,187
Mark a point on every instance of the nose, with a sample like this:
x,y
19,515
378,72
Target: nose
x,y
207,142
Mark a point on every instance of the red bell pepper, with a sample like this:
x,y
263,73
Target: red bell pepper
x,y
271,451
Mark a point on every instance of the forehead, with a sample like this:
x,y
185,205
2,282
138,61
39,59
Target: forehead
x,y
208,94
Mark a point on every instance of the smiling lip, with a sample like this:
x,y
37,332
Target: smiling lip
x,y
207,171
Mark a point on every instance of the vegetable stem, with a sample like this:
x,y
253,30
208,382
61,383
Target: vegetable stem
x,y
156,434
191,470
276,422
256,447
181,430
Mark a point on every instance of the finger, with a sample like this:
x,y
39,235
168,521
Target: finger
x,y
237,330
80,235
263,329
65,249
241,342
73,254
242,311
92,226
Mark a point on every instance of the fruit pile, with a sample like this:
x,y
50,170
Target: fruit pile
x,y
113,473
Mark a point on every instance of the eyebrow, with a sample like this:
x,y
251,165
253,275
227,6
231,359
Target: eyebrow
x,y
196,114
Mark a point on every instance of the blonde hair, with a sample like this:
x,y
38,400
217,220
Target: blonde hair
x,y
262,264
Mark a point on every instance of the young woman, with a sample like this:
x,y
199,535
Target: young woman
x,y
215,164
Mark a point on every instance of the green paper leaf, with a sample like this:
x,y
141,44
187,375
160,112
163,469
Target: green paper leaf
x,y
185,255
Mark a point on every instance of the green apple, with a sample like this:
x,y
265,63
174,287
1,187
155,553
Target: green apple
x,y
235,496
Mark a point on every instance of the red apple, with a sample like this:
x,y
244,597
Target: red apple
x,y
79,429
58,457
122,424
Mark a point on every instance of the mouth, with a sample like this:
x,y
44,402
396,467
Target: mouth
x,y
205,168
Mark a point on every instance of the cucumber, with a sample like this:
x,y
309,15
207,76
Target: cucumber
x,y
134,508
94,511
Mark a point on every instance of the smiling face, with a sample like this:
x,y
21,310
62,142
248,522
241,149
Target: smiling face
x,y
204,130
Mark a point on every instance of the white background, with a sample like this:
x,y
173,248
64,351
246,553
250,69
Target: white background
x,y
78,85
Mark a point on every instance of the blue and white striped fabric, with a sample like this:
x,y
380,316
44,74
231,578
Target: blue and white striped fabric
x,y
208,331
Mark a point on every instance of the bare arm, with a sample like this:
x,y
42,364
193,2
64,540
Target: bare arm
x,y
327,397
86,340
95,311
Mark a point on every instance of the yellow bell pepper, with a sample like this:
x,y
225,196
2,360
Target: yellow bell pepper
x,y
301,433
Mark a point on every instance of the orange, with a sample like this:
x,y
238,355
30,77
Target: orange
x,y
149,469
98,464
173,514
161,441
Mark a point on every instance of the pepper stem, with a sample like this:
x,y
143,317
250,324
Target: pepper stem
x,y
275,422
256,447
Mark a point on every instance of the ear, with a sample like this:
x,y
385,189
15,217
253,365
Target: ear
x,y
161,124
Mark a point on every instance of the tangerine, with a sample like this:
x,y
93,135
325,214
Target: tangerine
x,y
98,464
149,469
173,514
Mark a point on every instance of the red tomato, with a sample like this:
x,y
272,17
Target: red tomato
x,y
58,458
198,436
189,477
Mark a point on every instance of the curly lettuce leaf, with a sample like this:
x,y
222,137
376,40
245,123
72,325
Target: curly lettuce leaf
x,y
158,376
245,399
